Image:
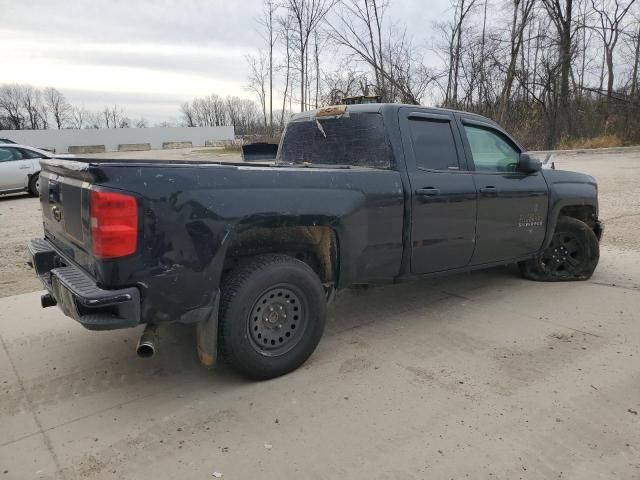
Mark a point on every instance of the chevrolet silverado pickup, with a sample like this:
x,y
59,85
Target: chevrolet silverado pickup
x,y
251,254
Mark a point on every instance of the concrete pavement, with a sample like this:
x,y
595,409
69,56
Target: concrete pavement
x,y
481,375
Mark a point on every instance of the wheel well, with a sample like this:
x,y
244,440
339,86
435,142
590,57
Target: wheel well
x,y
314,245
585,213
30,178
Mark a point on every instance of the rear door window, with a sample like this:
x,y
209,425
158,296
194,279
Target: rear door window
x,y
355,140
433,144
29,154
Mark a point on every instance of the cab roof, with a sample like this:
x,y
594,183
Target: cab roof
x,y
385,108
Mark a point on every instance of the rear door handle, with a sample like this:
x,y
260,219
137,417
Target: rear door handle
x,y
428,192
23,167
489,189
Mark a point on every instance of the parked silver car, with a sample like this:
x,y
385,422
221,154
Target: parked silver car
x,y
20,168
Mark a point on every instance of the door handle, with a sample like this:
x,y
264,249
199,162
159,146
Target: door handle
x,y
23,167
489,189
428,192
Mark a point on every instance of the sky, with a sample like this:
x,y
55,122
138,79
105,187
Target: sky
x,y
148,56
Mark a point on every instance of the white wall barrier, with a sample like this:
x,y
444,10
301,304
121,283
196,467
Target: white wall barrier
x,y
112,138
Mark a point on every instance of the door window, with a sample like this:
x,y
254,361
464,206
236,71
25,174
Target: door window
x,y
433,144
29,154
8,154
490,151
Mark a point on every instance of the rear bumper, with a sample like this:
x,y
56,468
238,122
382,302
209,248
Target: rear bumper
x,y
78,295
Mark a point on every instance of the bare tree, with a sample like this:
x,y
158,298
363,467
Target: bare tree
x,y
583,49
213,110
397,65
188,114
454,30
561,14
344,82
95,120
268,23
610,15
635,43
78,117
258,75
11,105
285,26
114,117
307,16
520,20
34,108
58,106
359,27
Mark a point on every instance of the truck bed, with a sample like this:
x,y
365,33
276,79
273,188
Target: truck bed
x,y
191,213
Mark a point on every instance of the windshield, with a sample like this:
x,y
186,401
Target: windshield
x,y
355,140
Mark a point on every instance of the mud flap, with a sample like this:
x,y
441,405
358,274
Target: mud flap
x,y
207,337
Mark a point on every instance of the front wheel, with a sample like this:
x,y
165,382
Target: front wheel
x,y
272,316
573,254
34,185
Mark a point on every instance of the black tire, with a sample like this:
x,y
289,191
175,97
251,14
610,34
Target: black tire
x,y
572,255
272,315
33,185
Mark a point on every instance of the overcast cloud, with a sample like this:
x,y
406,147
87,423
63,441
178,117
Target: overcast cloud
x,y
147,56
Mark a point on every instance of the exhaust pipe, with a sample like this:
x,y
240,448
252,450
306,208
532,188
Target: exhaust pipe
x,y
47,300
148,342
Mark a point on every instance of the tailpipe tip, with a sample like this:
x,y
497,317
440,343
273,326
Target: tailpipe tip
x,y
47,300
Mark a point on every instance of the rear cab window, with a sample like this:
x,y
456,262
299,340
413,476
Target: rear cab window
x,y
352,139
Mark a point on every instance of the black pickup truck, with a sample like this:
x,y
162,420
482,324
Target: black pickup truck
x,y
252,253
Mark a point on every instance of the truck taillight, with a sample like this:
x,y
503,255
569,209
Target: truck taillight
x,y
114,224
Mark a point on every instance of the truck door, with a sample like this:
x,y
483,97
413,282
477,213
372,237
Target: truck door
x,y
512,206
443,194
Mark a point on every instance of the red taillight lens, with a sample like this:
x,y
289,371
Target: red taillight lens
x,y
114,224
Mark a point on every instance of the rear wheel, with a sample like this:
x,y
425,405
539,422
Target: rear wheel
x,y
573,254
272,316
34,185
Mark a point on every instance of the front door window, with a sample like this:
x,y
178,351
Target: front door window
x,y
490,151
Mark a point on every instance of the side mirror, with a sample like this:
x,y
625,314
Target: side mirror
x,y
526,164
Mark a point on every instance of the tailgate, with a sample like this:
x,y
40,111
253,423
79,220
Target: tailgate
x,y
64,197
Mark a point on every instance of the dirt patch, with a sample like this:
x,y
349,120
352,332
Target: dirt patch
x,y
20,218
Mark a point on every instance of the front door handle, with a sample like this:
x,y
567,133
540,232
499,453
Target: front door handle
x,y
489,189
428,192
24,167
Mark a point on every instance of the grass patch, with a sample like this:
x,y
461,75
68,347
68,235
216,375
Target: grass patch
x,y
601,141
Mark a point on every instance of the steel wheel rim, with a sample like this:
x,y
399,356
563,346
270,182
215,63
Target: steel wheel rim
x,y
565,255
277,321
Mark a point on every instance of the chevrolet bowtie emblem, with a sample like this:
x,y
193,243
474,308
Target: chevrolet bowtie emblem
x,y
56,211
